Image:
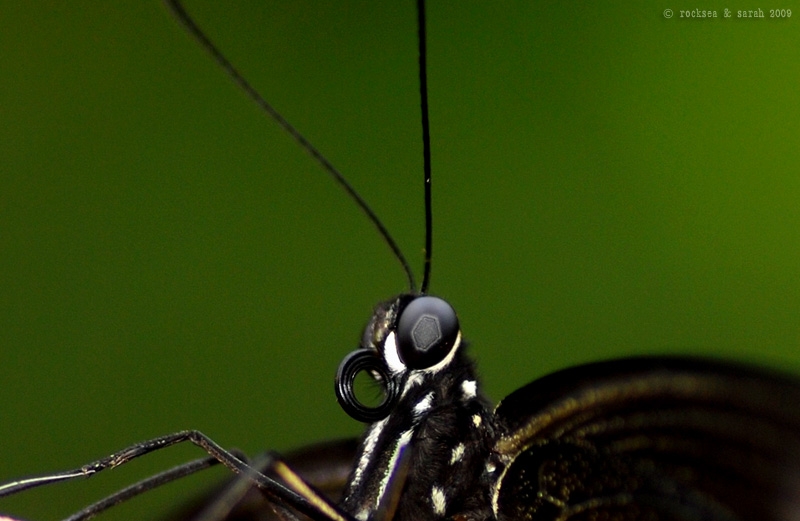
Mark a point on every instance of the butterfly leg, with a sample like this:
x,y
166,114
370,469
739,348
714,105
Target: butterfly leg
x,y
297,494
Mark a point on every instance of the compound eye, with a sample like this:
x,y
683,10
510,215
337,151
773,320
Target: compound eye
x,y
426,332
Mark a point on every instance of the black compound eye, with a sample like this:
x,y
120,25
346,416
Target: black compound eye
x,y
426,332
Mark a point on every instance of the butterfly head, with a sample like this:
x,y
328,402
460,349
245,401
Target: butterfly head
x,y
407,338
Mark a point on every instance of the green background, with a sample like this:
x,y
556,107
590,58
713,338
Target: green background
x,y
607,182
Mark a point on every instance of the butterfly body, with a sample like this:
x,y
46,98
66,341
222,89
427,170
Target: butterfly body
x,y
659,438
663,438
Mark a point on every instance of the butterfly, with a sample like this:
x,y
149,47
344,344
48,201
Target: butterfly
x,y
459,308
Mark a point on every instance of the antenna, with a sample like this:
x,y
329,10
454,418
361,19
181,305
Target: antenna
x,y
426,144
180,13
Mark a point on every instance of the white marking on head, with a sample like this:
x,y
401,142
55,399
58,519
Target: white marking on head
x,y
438,500
391,355
469,388
389,471
457,454
490,468
476,420
415,376
447,359
362,515
369,447
423,405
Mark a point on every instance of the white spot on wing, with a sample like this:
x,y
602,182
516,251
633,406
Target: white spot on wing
x,y
476,420
457,454
438,500
469,388
423,405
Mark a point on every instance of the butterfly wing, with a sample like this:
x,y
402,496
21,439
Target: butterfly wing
x,y
650,438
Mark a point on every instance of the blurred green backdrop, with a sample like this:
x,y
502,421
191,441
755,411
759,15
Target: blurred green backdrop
x,y
607,182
